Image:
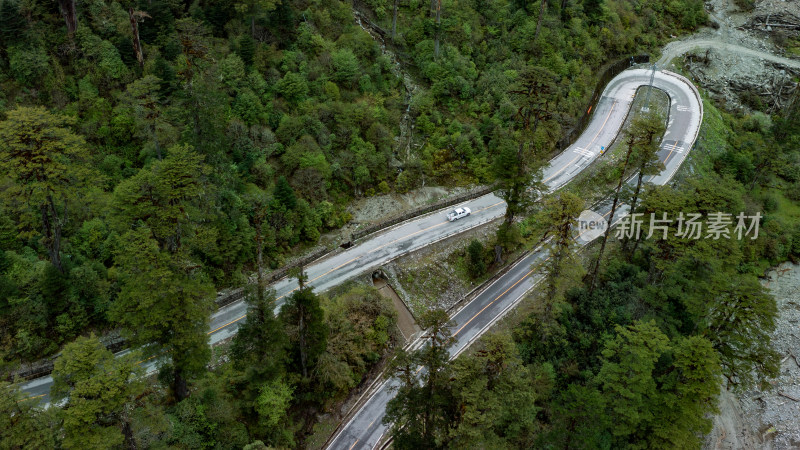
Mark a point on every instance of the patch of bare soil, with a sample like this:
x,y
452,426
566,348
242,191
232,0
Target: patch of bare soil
x,y
741,82
777,19
373,209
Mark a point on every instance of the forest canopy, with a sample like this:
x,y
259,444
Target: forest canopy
x,y
155,152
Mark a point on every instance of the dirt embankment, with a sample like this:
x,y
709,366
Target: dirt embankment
x,y
405,321
740,61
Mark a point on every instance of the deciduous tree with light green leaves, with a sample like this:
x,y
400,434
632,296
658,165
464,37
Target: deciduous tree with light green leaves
x,y
273,402
95,387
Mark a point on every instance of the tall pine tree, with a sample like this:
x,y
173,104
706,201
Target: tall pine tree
x,y
164,305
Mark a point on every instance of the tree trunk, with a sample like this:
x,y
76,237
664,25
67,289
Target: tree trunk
x,y
259,256
610,220
179,385
438,26
137,45
158,144
633,207
302,339
638,189
130,440
539,21
516,192
757,174
498,254
51,230
394,20
69,10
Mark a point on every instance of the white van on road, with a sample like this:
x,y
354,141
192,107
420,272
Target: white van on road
x,y
458,213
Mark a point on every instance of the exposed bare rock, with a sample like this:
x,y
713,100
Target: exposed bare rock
x,y
769,418
743,82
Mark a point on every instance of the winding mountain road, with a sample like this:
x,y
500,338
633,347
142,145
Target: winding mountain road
x,y
365,429
608,117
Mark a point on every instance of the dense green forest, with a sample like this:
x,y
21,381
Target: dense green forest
x,y
229,126
637,359
149,151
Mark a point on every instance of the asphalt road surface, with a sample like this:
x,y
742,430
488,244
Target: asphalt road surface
x,y
365,429
382,247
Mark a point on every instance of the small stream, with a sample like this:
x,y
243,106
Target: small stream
x,y
406,124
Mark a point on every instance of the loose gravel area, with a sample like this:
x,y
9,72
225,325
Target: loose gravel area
x,y
769,418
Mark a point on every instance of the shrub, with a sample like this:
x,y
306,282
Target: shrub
x,y
345,66
476,264
293,87
28,65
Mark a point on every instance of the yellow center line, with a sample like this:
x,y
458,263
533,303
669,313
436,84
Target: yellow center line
x,y
590,143
354,444
498,297
670,151
31,398
415,233
148,359
521,278
512,287
229,323
316,278
473,317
